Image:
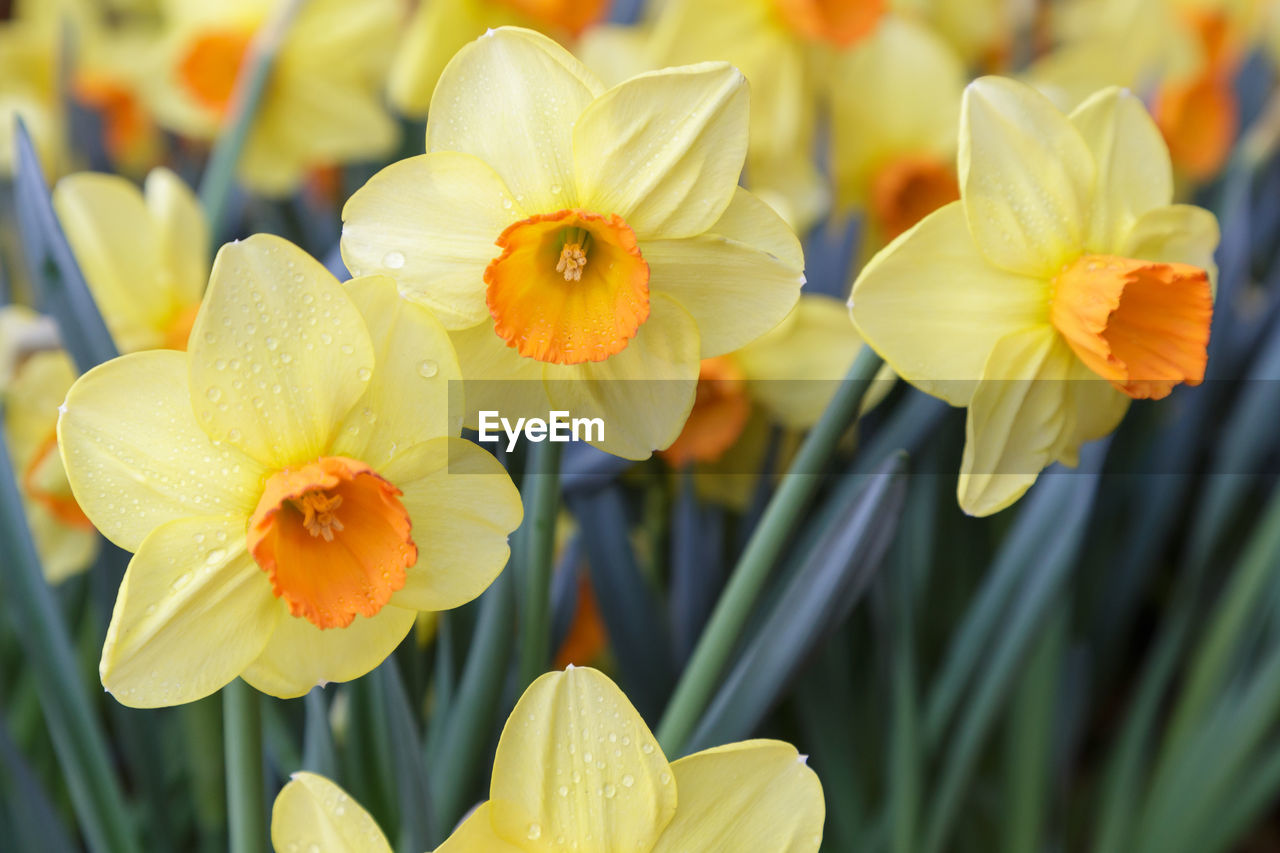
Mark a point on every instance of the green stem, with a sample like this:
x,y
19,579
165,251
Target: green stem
x,y
762,551
541,491
219,174
246,799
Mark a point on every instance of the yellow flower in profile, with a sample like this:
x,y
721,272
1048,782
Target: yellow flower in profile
x,y
322,103
1061,285
144,254
440,28
577,769
574,239
291,485
34,386
111,64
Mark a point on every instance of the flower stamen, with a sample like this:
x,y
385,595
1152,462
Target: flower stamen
x,y
572,260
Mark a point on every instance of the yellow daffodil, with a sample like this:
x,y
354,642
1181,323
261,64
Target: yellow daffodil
x,y
143,253
33,388
312,813
979,31
322,103
291,485
440,28
110,69
29,87
577,769
573,239
1062,284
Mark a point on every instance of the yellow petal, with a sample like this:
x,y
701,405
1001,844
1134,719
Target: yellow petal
x,y
511,98
312,812
756,796
118,248
1134,174
664,150
135,456
475,835
1096,409
193,611
1179,233
407,400
183,234
934,307
431,222
1025,177
576,763
738,280
64,551
433,35
299,655
279,353
497,378
1015,420
462,505
644,393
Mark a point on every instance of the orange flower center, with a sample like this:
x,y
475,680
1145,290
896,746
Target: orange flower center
x,y
719,415
1142,325
124,121
908,189
839,22
573,16
45,482
210,65
569,286
333,538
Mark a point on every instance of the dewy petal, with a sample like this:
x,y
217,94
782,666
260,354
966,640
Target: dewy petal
x,y
511,98
1025,177
299,655
312,812
431,222
192,612
183,234
933,306
1134,174
738,280
407,400
476,835
644,393
496,377
577,762
664,150
1016,419
463,506
135,456
279,353
774,803
1177,234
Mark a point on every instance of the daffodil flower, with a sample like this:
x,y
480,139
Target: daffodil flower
x,y
1060,286
29,59
577,769
574,239
291,484
144,254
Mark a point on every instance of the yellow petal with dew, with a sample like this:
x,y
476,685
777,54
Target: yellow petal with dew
x,y
933,306
135,455
1016,419
576,763
407,400
118,248
496,377
773,804
431,222
299,655
476,835
738,280
1177,234
463,506
644,393
183,234
279,352
1134,174
192,612
311,812
511,98
1026,177
664,150
433,35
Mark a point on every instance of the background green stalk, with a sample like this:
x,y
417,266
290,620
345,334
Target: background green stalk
x,y
541,491
242,738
